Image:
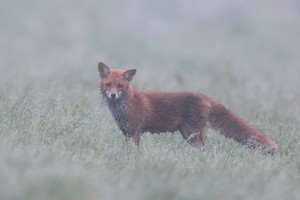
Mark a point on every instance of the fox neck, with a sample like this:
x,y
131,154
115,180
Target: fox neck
x,y
118,108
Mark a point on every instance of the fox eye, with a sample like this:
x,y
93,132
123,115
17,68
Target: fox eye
x,y
120,85
107,84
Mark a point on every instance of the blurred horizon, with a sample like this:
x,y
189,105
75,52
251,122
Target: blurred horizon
x,y
249,38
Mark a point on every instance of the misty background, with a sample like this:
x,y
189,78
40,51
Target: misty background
x,y
46,41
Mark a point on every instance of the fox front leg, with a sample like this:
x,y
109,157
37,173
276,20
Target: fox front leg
x,y
135,138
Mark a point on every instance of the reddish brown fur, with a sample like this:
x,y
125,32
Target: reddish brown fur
x,y
137,112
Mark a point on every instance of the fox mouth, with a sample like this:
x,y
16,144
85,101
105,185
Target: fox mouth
x,y
113,96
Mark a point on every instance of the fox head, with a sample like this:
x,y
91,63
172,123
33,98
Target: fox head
x,y
115,83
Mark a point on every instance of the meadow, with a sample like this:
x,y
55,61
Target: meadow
x,y
59,141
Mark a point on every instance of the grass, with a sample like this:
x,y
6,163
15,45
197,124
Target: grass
x,y
58,140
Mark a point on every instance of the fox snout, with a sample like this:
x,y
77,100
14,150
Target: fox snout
x,y
113,95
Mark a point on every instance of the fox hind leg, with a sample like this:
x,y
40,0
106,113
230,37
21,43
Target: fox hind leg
x,y
193,135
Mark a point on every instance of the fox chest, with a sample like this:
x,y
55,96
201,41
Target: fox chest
x,y
120,114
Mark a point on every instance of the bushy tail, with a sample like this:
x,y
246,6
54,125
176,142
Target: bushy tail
x,y
232,126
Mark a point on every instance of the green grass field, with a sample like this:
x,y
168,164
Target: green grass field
x,y
59,141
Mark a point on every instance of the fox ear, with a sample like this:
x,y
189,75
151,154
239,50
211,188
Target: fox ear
x,y
129,74
103,70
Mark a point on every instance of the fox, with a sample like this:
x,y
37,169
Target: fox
x,y
137,112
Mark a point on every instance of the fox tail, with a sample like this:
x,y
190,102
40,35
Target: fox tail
x,y
232,126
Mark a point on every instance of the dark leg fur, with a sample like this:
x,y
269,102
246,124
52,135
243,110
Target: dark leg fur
x,y
193,135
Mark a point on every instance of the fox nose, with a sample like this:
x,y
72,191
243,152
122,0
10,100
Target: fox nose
x,y
113,95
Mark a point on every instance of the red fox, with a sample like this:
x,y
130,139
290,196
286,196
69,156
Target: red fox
x,y
137,112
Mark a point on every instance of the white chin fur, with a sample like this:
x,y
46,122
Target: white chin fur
x,y
109,95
